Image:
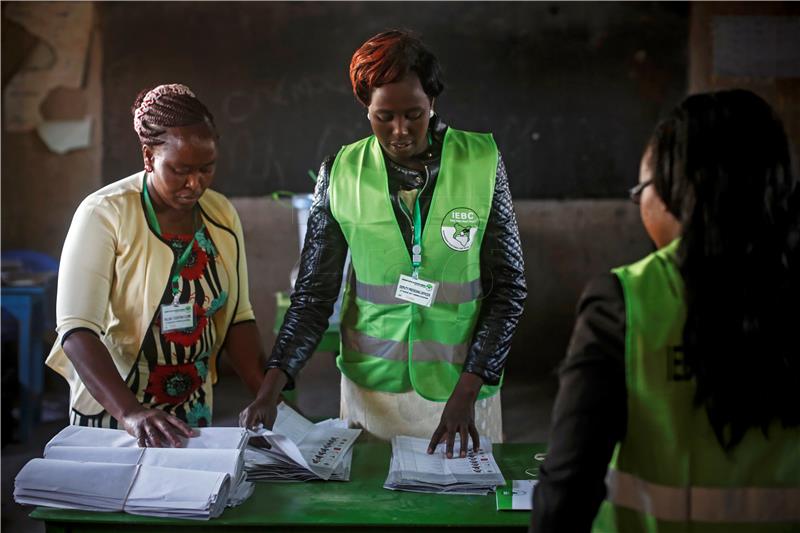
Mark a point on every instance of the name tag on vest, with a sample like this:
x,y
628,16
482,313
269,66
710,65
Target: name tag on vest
x,y
416,291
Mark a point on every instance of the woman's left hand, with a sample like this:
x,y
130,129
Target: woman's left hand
x,y
458,417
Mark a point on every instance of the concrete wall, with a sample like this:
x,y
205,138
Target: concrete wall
x,y
565,244
41,189
782,93
270,232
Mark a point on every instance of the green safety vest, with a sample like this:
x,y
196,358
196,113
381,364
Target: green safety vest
x,y
669,473
388,344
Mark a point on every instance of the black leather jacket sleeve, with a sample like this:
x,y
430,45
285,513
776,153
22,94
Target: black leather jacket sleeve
x,y
589,415
325,250
504,288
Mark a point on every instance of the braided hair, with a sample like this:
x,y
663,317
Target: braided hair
x,y
168,106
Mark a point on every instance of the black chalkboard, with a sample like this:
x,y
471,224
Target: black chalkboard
x,y
570,90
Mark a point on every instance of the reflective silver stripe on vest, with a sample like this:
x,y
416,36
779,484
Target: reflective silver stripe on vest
x,y
429,351
703,504
385,349
424,351
448,293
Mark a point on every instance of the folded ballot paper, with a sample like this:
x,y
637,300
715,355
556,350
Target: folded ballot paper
x,y
299,450
412,469
104,470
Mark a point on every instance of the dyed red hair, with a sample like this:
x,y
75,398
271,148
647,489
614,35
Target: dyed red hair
x,y
389,57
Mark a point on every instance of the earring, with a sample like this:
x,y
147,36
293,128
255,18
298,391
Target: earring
x,y
431,114
368,117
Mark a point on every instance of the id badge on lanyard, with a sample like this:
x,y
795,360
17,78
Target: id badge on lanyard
x,y
175,316
416,290
412,288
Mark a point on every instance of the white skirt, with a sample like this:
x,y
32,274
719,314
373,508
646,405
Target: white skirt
x,y
383,415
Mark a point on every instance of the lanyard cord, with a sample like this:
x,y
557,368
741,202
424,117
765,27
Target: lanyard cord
x,y
184,258
416,250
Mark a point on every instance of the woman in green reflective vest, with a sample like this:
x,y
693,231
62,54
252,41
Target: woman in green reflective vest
x,y
437,284
679,402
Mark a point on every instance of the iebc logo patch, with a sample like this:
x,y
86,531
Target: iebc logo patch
x,y
459,228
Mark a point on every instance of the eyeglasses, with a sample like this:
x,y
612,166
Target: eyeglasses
x,y
636,192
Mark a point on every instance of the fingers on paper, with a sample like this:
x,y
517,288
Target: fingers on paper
x,y
476,438
437,438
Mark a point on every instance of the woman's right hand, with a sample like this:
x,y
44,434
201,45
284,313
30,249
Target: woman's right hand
x,y
260,411
264,408
151,427
154,428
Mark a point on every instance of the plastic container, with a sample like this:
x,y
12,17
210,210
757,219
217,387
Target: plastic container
x,y
302,205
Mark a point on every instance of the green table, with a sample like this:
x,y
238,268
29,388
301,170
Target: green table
x,y
359,505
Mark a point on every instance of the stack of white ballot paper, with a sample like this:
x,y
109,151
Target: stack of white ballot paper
x,y
300,450
412,469
99,469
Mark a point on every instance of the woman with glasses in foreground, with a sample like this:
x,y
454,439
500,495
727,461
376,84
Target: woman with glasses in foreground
x,y
678,399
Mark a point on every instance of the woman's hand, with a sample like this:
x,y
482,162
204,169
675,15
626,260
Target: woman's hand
x,y
260,411
154,428
458,417
151,427
264,408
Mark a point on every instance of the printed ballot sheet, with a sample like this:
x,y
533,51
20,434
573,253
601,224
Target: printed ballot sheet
x,y
412,469
104,470
300,450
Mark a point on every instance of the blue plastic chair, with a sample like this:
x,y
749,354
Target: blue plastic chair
x,y
32,261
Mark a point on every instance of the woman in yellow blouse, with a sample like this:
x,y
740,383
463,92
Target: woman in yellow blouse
x,y
153,282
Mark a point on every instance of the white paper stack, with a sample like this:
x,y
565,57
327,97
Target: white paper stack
x,y
208,438
301,450
196,481
178,493
135,489
412,469
72,485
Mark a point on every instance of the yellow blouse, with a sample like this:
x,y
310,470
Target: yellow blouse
x,y
113,272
